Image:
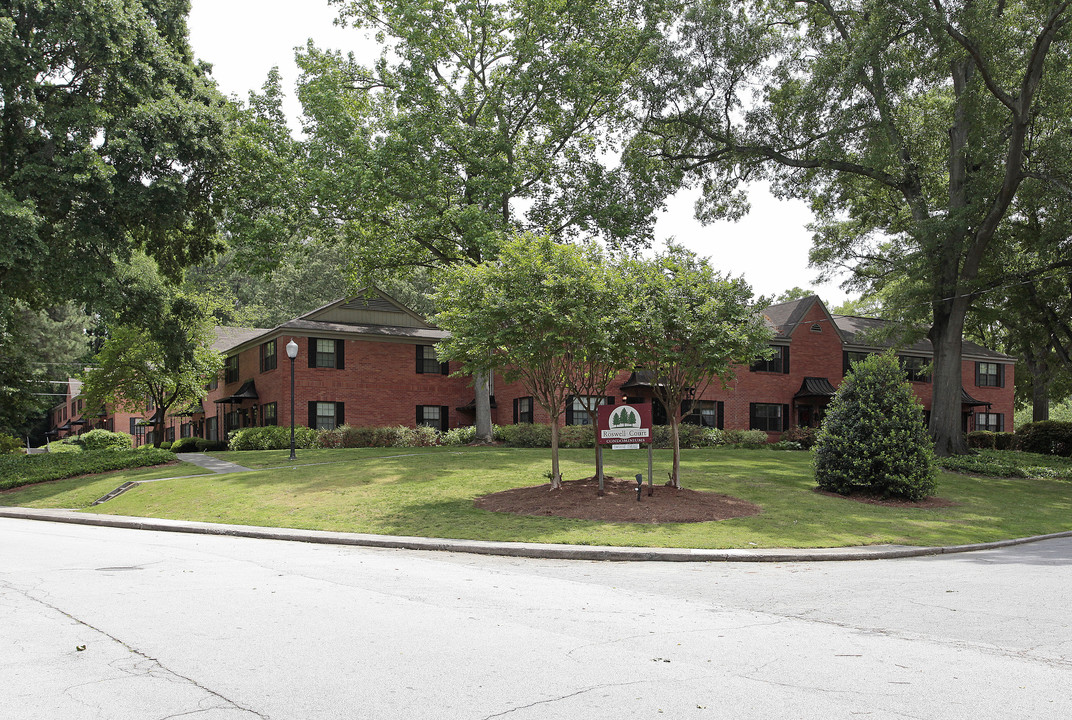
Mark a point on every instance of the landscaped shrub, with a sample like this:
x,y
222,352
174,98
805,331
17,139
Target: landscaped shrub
x,y
805,436
873,439
66,445
459,436
18,470
183,445
576,436
211,445
1049,437
985,439
525,435
785,445
9,444
754,439
101,439
271,437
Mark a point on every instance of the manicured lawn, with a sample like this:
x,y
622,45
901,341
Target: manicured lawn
x,y
81,491
430,492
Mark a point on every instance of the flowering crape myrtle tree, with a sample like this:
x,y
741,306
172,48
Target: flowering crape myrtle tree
x,y
544,314
690,327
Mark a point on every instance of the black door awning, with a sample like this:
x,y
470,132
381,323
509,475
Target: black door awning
x,y
247,392
966,399
815,387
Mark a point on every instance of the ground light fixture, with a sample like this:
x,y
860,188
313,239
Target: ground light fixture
x,y
292,352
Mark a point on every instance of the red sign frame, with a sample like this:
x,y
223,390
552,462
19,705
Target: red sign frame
x,y
636,427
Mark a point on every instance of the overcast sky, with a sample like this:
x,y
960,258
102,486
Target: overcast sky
x,y
244,39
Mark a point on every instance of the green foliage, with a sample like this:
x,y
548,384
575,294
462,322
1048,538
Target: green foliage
x,y
992,440
274,437
689,326
911,128
459,436
101,439
873,439
524,435
210,445
346,436
168,366
16,471
805,436
1050,437
66,445
113,138
9,444
183,445
1013,464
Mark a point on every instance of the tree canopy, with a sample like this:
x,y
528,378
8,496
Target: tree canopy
x,y
546,314
690,326
910,127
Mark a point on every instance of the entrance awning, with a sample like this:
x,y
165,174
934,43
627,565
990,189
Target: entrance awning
x,y
247,392
470,407
815,387
966,399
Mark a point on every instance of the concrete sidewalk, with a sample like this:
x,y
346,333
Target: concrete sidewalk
x,y
208,462
510,549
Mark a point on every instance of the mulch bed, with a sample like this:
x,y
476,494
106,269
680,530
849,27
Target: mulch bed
x,y
579,499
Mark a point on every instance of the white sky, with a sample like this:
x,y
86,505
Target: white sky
x,y
244,39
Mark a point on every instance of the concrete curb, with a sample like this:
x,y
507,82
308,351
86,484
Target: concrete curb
x,y
511,549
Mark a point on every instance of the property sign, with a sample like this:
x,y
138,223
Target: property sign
x,y
623,424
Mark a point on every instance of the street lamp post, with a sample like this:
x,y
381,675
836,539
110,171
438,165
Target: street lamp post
x,y
292,352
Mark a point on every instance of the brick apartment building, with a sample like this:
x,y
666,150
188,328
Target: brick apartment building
x,y
371,362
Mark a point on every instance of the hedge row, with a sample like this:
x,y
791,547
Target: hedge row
x,y
521,435
18,470
1049,437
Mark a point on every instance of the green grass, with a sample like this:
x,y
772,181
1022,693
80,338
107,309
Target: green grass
x,y
79,492
430,492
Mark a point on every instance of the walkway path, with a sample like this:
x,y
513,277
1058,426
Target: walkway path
x,y
211,463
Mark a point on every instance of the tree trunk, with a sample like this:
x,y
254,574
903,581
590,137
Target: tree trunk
x,y
482,388
946,335
556,476
1040,398
675,477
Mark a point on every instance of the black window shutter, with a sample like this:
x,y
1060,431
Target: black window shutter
x,y
720,423
1001,377
569,409
420,415
340,355
609,400
444,368
443,418
312,352
785,417
751,416
262,358
340,414
785,359
845,362
420,358
312,413
516,401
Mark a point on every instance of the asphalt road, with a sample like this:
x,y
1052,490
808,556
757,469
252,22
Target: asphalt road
x,y
112,623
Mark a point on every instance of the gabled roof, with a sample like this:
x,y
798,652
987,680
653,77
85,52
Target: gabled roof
x,y
376,314
785,317
229,337
854,332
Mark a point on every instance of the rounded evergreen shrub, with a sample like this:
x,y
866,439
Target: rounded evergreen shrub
x,y
101,439
873,440
184,445
9,444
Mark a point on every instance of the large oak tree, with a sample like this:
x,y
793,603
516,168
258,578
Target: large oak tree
x,y
909,126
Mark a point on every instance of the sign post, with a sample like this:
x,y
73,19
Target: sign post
x,y
625,427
